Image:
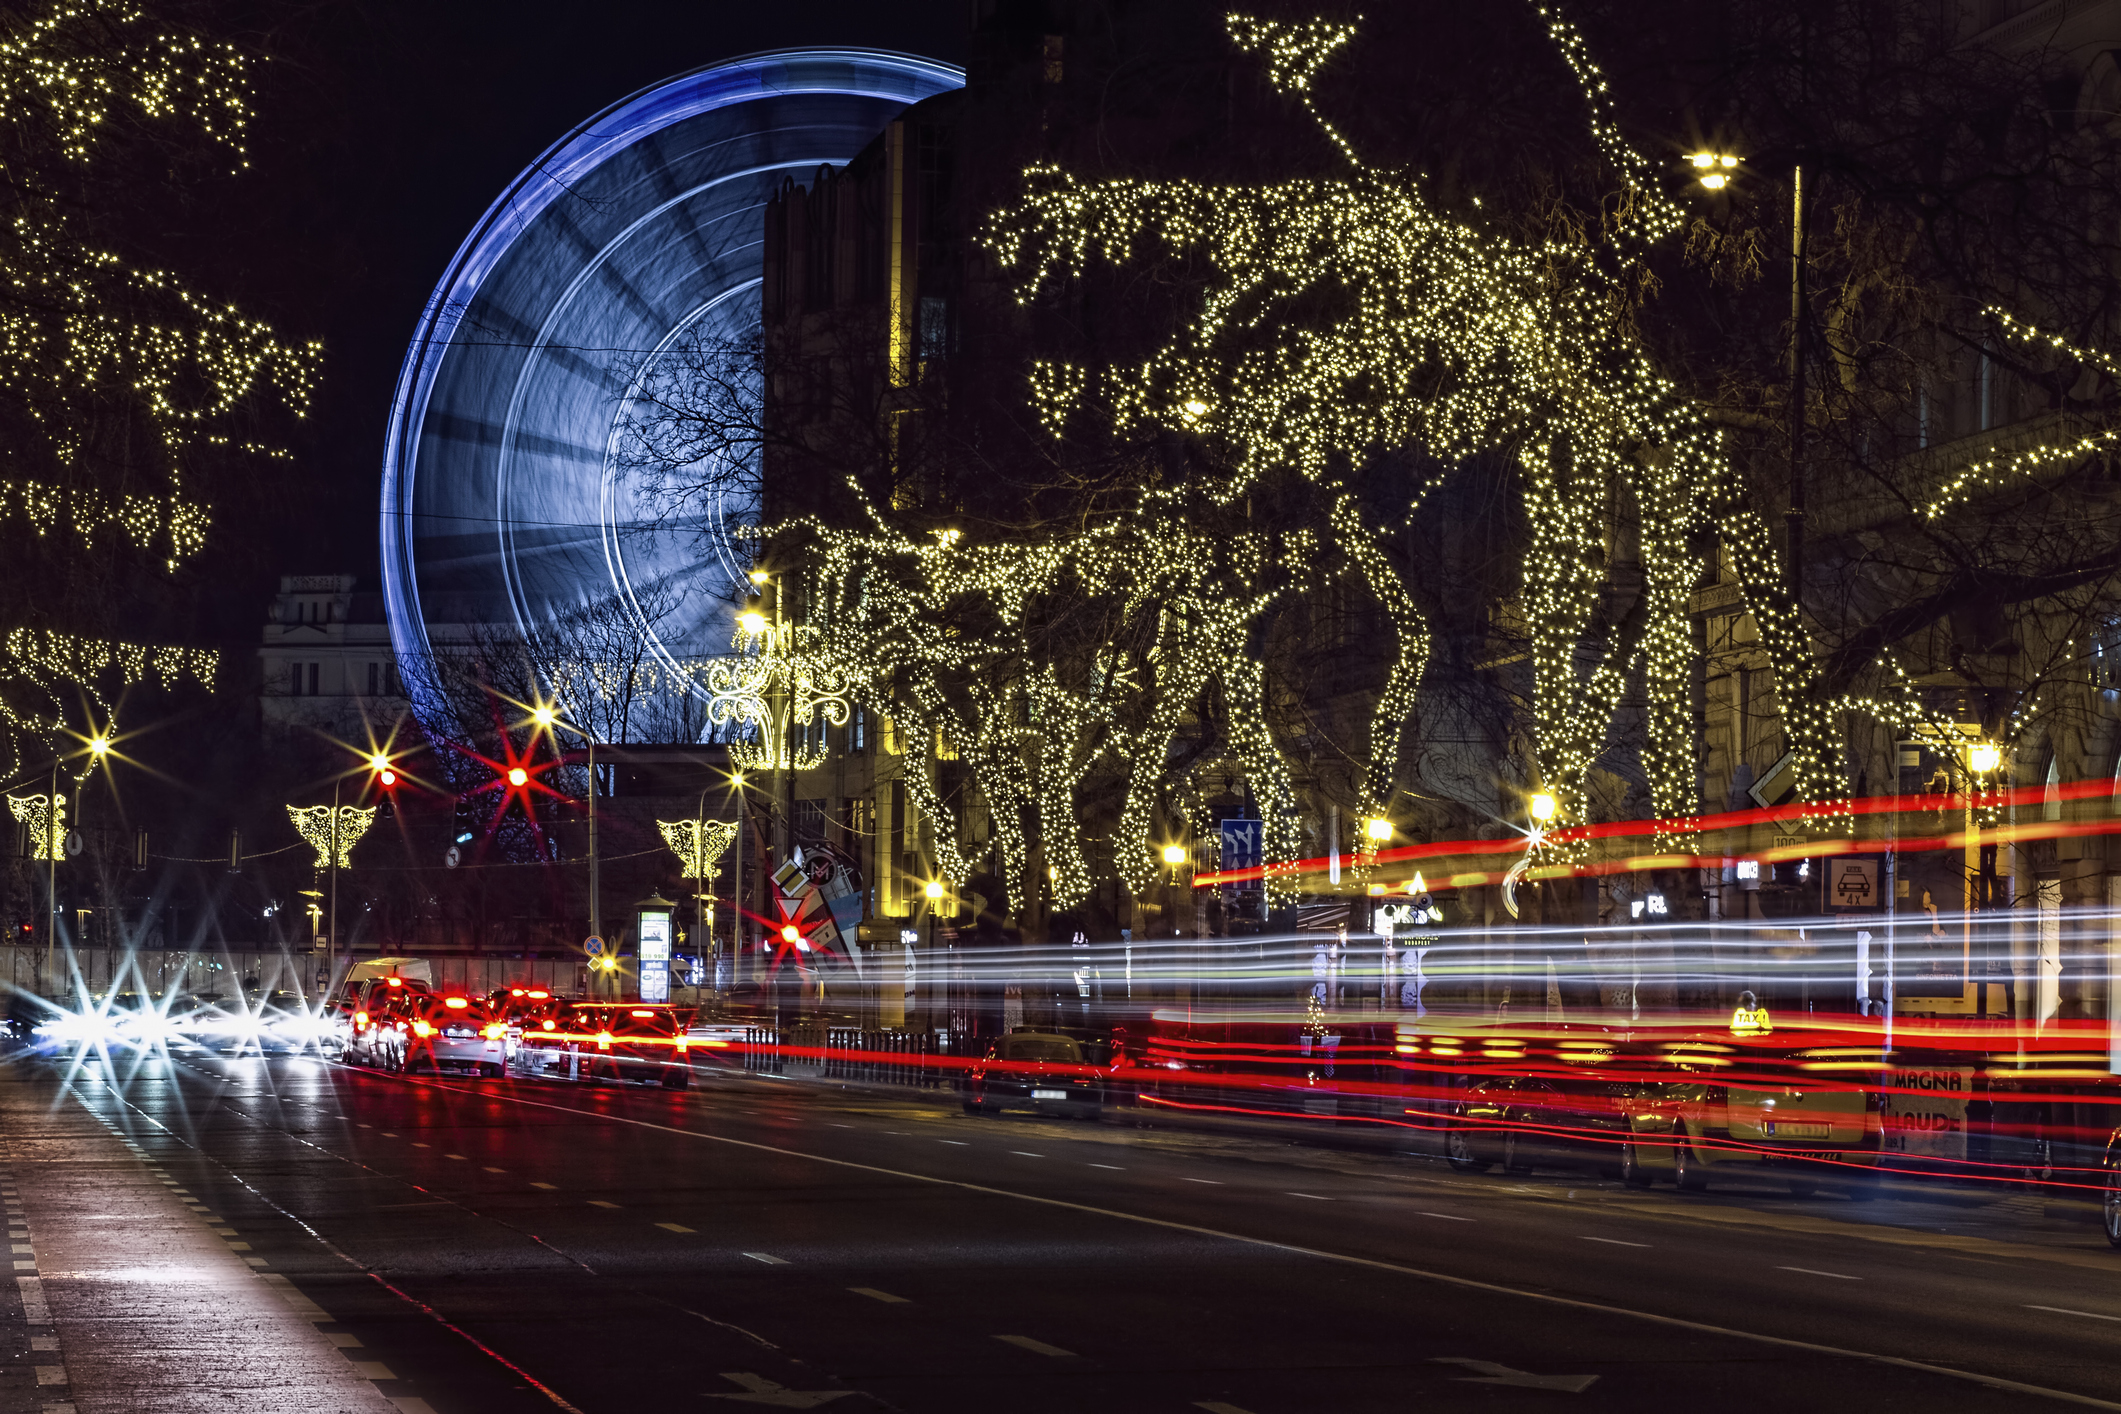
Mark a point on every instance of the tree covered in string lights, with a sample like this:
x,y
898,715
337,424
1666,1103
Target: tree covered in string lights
x,y
124,391
1234,566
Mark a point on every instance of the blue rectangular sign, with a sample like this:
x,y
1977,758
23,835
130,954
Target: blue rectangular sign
x,y
1243,844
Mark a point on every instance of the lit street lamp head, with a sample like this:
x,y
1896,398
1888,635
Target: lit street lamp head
x,y
1984,756
932,889
1377,829
517,776
1543,807
752,621
1715,168
543,716
1174,854
99,746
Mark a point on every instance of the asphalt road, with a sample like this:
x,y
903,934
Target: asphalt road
x,y
217,1233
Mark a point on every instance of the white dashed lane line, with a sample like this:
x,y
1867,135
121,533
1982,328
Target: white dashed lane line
x,y
2065,1311
675,1227
768,1258
600,1203
1116,1168
1312,1196
884,1296
1815,1272
1215,1181
1616,1242
1446,1217
1036,1347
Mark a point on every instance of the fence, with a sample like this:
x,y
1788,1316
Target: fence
x,y
96,970
922,1060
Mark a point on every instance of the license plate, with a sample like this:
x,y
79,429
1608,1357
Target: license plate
x,y
1049,1094
1778,1130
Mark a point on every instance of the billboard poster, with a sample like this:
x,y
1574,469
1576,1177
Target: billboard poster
x,y
655,957
1925,1111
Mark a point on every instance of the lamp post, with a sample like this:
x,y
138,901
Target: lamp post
x,y
1717,169
1982,759
546,717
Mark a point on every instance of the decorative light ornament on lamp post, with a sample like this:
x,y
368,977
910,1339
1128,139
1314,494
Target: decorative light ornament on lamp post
x,y
780,676
698,843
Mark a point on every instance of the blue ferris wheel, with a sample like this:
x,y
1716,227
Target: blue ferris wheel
x,y
505,502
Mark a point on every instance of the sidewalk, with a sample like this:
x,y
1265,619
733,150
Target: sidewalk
x,y
125,1299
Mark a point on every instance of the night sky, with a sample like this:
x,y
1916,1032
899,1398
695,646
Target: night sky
x,y
385,128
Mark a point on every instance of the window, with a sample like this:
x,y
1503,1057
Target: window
x,y
294,679
858,731
944,751
315,670
375,678
860,815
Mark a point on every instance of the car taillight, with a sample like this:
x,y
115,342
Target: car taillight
x,y
360,1018
648,1014
551,1026
456,1003
421,1028
603,1040
683,1042
540,996
495,1031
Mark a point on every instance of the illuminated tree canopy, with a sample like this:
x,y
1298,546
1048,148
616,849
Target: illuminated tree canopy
x,y
1344,318
116,381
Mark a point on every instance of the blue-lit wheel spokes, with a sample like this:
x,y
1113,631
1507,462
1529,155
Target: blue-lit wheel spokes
x,y
500,504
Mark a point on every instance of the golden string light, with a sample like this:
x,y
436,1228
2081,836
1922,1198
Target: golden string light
x,y
332,837
698,843
46,826
82,332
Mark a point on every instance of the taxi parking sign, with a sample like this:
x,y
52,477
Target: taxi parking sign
x,y
1851,882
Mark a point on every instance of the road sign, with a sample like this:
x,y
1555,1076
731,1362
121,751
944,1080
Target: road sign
x,y
1851,882
592,945
453,857
1242,843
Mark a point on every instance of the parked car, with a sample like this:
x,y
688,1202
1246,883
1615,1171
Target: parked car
x,y
1714,1110
1043,1071
1523,1122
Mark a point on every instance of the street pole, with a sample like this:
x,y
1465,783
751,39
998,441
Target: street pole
x,y
596,914
699,884
331,918
1795,518
51,880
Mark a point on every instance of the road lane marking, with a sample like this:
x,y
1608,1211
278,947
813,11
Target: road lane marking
x,y
1616,1242
418,1145
51,1374
884,1296
372,1370
454,1156
768,1258
1026,1154
548,1187
836,1125
1037,1347
959,1142
675,1227
1815,1272
1116,1168
1214,1181
495,1170
1445,1216
600,1203
1216,1406
345,1340
1350,1259
1312,1196
2065,1311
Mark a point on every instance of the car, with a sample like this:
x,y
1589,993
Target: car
x,y
1523,1122
2110,1195
611,1041
277,1022
1715,1110
1044,1071
426,1031
362,1011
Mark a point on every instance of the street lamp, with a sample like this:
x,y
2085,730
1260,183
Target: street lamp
x,y
1716,169
547,718
1377,830
1543,807
1984,756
